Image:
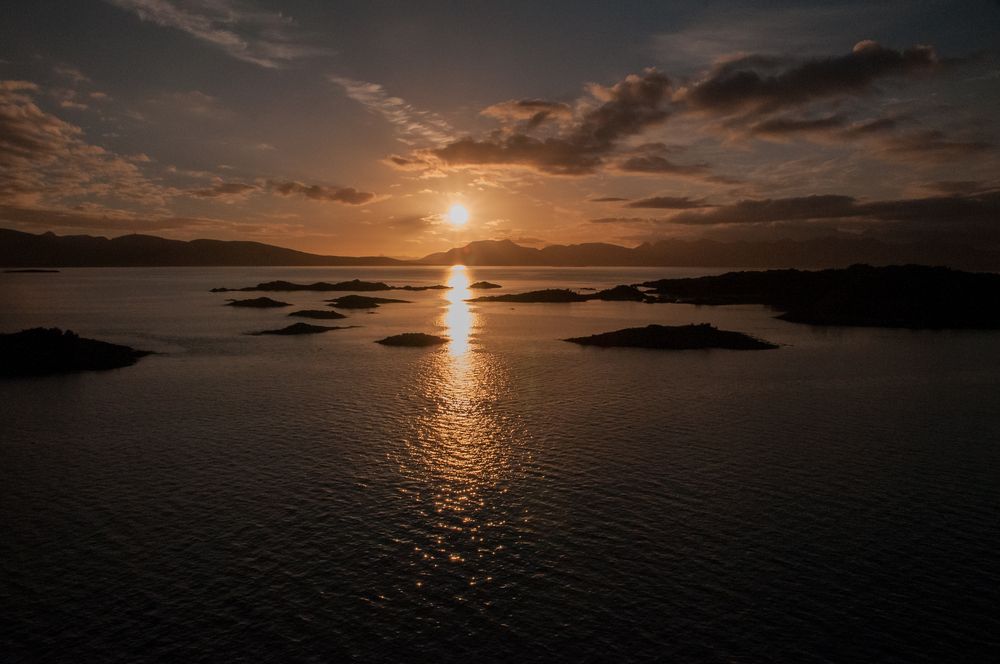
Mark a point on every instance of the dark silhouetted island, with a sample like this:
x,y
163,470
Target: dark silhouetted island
x,y
353,285
547,295
41,351
258,303
31,271
299,328
326,314
680,337
616,294
362,302
620,294
483,285
908,296
413,339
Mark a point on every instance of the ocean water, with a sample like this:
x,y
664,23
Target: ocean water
x,y
505,497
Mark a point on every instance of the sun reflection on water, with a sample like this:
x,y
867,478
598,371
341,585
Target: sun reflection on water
x,y
461,458
458,316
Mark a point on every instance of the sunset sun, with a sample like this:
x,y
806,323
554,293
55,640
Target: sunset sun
x,y
457,215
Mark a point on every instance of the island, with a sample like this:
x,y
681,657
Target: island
x,y
299,328
483,285
616,294
361,302
904,296
43,351
327,314
258,303
353,285
547,295
679,337
413,340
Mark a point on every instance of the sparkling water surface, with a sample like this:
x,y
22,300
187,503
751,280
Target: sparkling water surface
x,y
504,497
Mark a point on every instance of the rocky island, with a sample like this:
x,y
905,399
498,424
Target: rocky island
x,y
299,328
355,285
484,285
618,293
326,314
907,296
258,303
547,295
679,337
362,302
41,351
413,339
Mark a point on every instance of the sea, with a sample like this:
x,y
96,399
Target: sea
x,y
506,496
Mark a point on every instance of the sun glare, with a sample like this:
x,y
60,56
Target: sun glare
x,y
458,215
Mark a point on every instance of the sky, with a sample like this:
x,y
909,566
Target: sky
x,y
352,128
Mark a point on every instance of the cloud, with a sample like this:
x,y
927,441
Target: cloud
x,y
225,190
668,203
981,207
262,38
315,192
45,157
414,125
760,85
532,111
931,146
192,103
623,110
607,199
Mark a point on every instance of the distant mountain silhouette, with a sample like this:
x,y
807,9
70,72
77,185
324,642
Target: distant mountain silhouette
x,y
18,249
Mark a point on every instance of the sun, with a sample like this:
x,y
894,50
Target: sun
x,y
457,215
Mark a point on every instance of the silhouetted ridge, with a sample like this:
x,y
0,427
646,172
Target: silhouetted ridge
x,y
258,303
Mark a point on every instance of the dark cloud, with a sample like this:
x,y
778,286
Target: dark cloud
x,y
984,207
783,126
931,146
668,203
628,108
763,85
347,195
607,199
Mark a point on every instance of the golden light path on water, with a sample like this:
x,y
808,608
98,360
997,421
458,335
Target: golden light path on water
x,y
461,459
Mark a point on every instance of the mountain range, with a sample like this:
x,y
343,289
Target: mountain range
x,y
26,250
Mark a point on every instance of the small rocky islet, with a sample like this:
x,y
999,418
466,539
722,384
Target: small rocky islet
x,y
483,285
413,340
362,302
258,303
616,294
43,351
299,328
674,337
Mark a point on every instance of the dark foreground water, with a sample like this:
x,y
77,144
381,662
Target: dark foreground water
x,y
508,496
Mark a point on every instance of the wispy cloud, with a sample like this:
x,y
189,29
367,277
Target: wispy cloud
x,y
262,38
413,125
